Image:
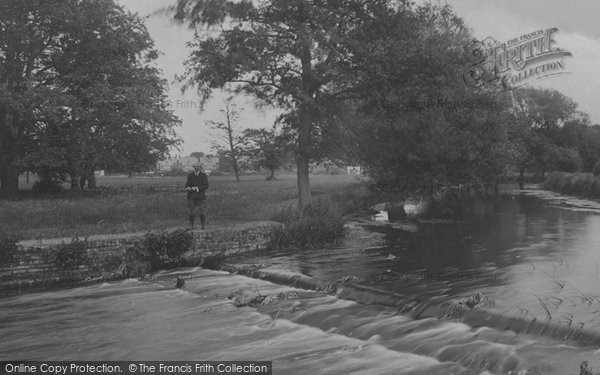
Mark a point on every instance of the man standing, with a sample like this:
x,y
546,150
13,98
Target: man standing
x,y
196,185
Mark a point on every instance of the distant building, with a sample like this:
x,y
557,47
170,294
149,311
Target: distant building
x,y
209,162
186,163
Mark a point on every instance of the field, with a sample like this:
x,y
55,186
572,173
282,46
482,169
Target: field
x,y
137,208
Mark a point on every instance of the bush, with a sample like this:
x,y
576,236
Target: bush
x,y
47,186
136,261
581,184
166,249
8,251
564,159
69,256
320,223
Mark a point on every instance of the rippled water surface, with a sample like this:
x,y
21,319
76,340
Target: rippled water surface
x,y
537,261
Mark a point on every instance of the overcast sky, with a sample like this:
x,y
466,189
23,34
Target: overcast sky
x,y
576,20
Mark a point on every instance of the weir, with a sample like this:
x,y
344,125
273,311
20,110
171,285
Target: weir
x,y
535,314
301,332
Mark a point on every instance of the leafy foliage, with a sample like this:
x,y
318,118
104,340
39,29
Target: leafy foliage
x,y
580,184
296,55
416,121
135,261
8,250
320,223
551,134
166,249
266,149
79,91
69,256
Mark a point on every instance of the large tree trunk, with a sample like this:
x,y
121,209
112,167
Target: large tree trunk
x,y
303,157
310,87
91,180
521,179
236,169
9,182
232,149
75,186
9,176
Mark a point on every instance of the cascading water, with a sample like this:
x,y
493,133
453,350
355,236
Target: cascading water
x,y
404,308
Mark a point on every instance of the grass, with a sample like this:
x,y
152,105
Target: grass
x,y
228,202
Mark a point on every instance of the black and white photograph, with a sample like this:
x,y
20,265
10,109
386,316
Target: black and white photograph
x,y
286,187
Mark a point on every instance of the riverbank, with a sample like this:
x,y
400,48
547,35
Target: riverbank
x,y
38,264
529,261
514,290
141,210
583,185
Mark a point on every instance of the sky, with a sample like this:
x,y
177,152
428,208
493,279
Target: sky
x,y
578,33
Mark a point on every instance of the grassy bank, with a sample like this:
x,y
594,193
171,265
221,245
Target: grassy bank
x,y
252,199
584,185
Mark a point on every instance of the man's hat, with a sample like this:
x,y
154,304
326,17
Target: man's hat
x,y
197,165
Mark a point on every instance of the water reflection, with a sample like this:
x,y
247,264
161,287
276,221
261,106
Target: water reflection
x,y
536,260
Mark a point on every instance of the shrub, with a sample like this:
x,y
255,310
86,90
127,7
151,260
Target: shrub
x,y
320,223
136,261
581,184
104,264
69,256
8,251
47,186
166,249
564,159
156,251
555,181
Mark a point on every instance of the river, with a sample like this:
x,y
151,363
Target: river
x,y
534,258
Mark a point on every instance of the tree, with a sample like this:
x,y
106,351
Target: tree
x,y
539,115
284,53
266,149
198,154
121,110
581,135
30,37
414,121
229,135
93,98
224,165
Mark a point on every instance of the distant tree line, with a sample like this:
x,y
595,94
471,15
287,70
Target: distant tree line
x,y
79,91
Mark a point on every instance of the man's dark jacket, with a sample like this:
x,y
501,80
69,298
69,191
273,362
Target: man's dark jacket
x,y
200,181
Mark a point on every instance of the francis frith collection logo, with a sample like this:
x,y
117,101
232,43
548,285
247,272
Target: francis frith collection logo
x,y
516,62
